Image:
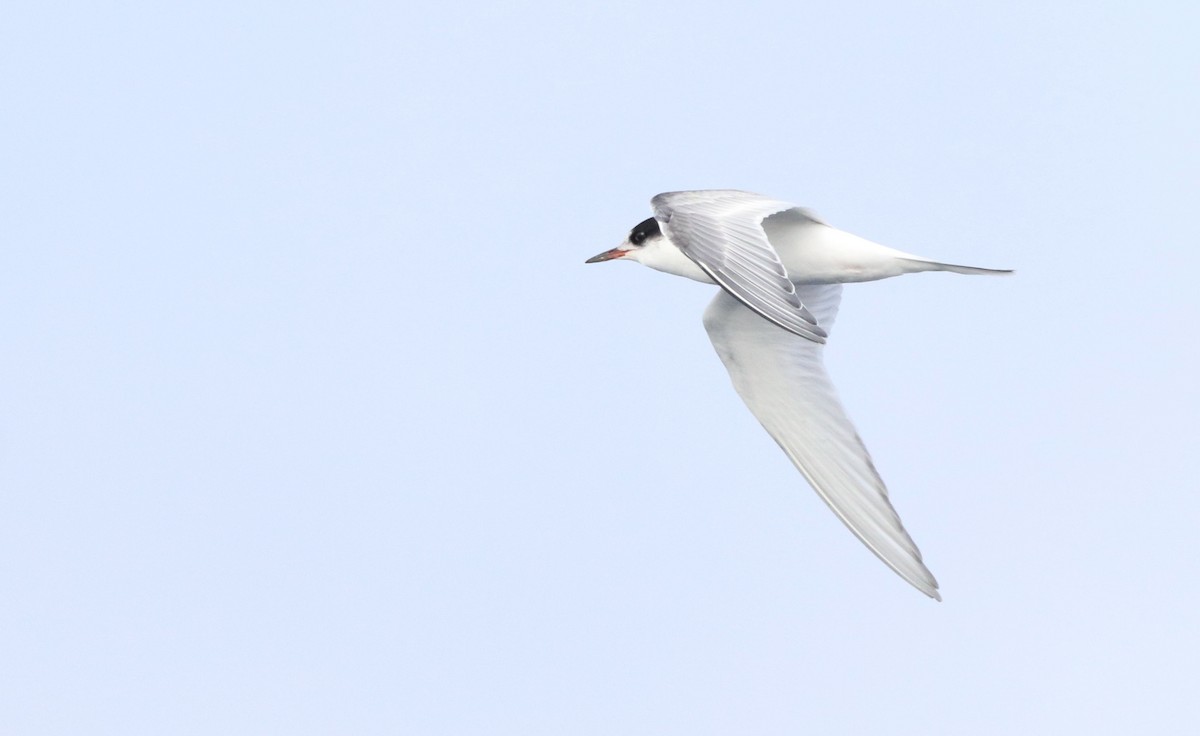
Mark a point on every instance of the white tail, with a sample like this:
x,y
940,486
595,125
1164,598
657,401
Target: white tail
x,y
926,265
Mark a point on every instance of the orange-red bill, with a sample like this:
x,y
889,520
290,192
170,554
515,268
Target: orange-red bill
x,y
607,255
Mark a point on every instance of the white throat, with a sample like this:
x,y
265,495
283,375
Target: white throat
x,y
662,255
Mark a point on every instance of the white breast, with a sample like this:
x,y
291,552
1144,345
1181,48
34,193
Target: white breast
x,y
662,255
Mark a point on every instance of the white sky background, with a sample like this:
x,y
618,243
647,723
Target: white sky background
x,y
312,419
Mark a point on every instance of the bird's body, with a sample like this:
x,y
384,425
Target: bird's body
x,y
811,251
781,270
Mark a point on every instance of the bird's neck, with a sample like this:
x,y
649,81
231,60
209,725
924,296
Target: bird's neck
x,y
662,255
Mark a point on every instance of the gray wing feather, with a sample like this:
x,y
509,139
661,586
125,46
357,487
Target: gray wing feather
x,y
721,231
783,381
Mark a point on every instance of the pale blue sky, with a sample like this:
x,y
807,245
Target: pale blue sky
x,y
313,421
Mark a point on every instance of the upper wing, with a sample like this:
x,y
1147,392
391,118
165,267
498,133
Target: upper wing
x,y
782,379
721,230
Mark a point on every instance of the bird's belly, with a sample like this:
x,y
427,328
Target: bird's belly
x,y
819,254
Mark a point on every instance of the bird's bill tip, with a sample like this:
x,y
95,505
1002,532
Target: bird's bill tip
x,y
607,255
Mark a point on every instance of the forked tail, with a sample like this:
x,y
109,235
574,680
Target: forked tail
x,y
924,265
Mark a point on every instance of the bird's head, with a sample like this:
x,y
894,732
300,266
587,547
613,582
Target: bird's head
x,y
648,245
644,235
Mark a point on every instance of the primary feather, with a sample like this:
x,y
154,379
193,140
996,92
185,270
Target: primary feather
x,y
722,232
782,379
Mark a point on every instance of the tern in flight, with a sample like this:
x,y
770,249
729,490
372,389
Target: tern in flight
x,y
781,270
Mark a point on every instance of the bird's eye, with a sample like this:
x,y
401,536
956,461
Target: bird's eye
x,y
644,229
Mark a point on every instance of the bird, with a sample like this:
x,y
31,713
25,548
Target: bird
x,y
780,269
